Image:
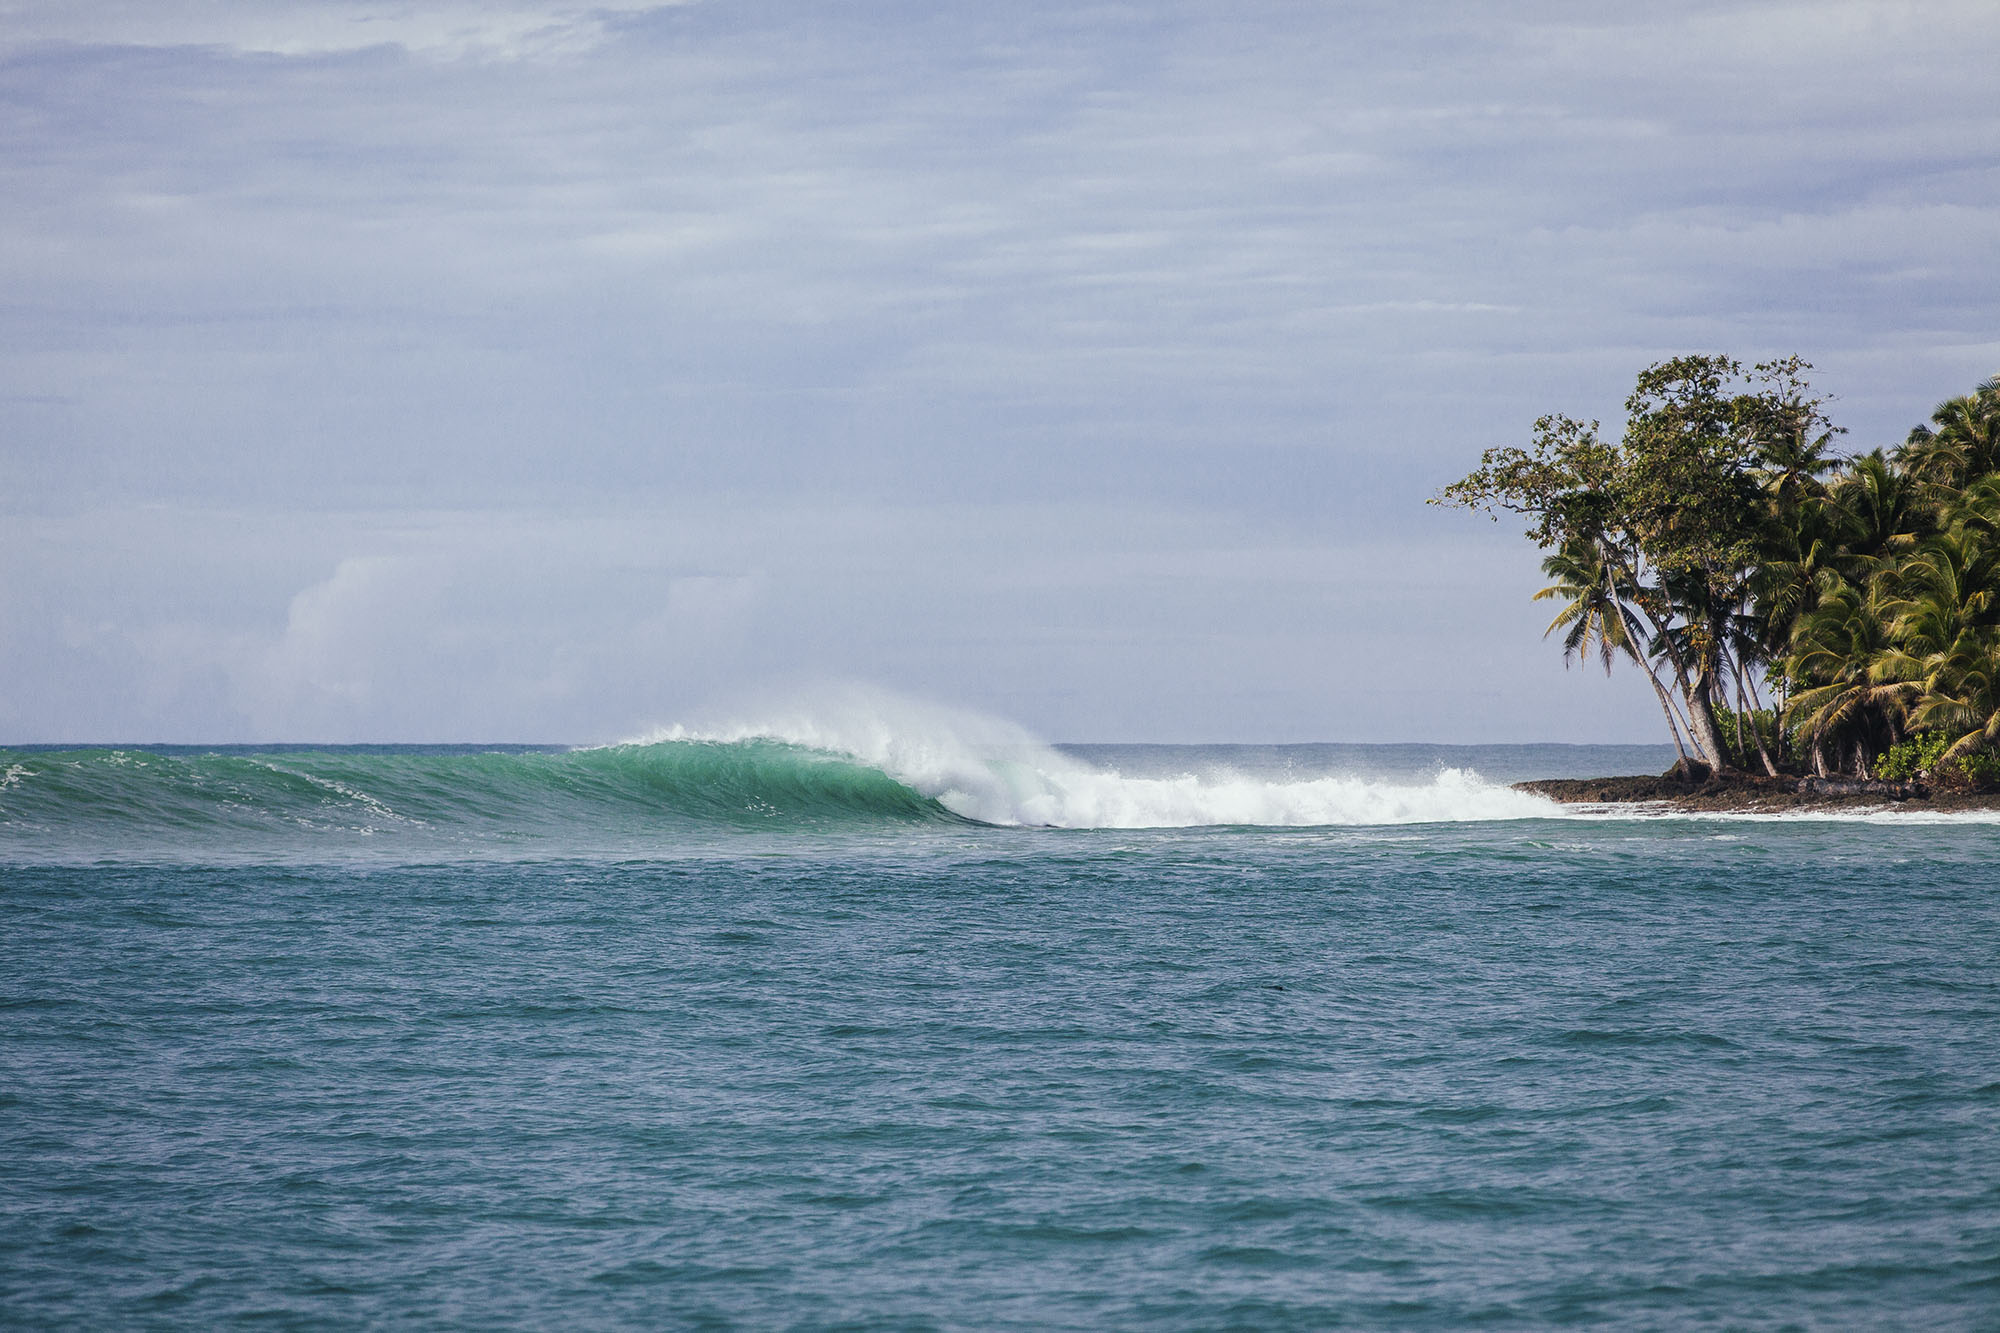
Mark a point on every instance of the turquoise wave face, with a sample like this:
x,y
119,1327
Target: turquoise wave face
x,y
677,793
61,798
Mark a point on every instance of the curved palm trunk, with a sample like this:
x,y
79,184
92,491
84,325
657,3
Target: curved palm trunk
x,y
1701,743
1700,714
1701,698
1673,721
1652,678
1747,716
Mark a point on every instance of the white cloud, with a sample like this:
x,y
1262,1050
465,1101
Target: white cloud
x,y
443,28
1079,622
763,269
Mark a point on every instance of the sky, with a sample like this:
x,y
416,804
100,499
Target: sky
x,y
541,371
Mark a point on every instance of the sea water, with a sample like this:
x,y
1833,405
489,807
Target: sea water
x,y
778,1028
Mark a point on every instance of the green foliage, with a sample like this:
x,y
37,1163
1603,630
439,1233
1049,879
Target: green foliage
x,y
1660,539
1927,756
1719,541
1982,770
1742,731
1914,758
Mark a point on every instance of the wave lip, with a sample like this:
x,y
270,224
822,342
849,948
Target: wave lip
x,y
995,773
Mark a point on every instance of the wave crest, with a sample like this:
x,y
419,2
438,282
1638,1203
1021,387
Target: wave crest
x,y
996,773
868,766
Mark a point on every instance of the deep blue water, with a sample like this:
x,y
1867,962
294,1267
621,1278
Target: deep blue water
x,y
443,1051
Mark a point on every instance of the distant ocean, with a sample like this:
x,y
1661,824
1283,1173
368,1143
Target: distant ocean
x,y
904,1029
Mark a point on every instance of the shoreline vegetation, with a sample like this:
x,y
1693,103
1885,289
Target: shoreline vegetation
x,y
1819,629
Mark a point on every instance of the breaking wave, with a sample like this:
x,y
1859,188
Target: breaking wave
x,y
993,773
867,767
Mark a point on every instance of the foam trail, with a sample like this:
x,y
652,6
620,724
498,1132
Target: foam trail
x,y
997,773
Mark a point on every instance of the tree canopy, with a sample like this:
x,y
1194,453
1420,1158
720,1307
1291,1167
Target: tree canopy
x,y
1723,547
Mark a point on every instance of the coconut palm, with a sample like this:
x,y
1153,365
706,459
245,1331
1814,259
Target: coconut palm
x,y
1961,443
1945,624
1881,512
1719,539
1810,543
1963,702
1593,589
1845,700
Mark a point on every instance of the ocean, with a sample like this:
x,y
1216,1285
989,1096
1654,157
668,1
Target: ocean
x,y
905,1028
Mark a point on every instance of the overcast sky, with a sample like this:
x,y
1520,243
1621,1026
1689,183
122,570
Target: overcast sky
x,y
548,371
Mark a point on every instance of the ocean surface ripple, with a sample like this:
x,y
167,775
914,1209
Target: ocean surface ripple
x,y
459,1039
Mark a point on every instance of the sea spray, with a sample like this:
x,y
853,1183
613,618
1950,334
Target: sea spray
x,y
996,773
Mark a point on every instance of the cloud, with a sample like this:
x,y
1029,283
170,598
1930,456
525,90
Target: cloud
x,y
1078,622
1275,269
490,28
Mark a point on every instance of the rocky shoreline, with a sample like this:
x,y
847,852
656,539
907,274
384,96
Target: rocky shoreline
x,y
1754,793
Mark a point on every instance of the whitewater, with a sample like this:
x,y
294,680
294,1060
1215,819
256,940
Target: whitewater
x,y
995,773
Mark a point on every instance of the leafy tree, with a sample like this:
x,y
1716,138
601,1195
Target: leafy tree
x,y
1680,513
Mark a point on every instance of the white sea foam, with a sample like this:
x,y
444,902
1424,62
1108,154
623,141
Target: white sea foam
x,y
370,806
997,773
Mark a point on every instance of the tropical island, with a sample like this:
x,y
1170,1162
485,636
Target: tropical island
x,y
1818,627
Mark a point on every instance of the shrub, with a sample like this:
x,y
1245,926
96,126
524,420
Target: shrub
x,y
1923,757
1913,758
1742,739
1973,772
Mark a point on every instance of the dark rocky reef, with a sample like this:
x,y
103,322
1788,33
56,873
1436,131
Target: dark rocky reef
x,y
1696,789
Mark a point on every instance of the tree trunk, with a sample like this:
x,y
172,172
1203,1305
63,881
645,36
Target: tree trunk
x,y
1673,724
1708,667
1713,757
1666,700
1701,719
1748,717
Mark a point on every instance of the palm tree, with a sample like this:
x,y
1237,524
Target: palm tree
x,y
1951,585
1594,617
1803,548
1962,442
1881,511
1693,610
1945,624
1964,700
1746,638
1847,698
